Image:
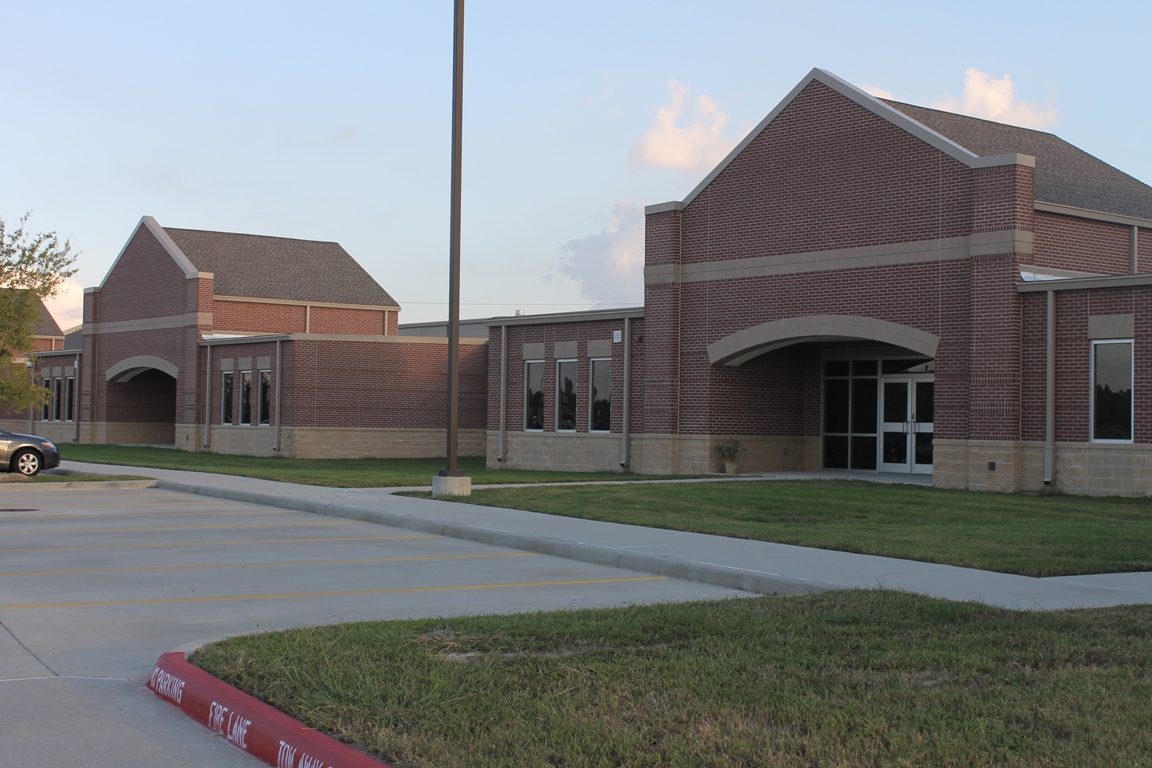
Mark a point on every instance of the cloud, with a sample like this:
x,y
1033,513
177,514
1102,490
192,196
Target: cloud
x,y
992,99
67,306
609,265
878,92
698,145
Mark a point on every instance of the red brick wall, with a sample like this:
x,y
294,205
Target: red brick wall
x,y
549,335
365,384
1144,246
145,282
393,324
257,317
1067,242
827,173
355,321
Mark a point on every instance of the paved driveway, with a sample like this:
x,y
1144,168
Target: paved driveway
x,y
96,584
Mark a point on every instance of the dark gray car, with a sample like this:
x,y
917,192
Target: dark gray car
x,y
27,454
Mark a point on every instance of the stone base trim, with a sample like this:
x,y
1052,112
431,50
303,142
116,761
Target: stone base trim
x,y
649,454
1091,469
327,442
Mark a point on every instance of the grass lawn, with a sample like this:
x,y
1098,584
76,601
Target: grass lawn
x,y
339,473
1049,535
835,679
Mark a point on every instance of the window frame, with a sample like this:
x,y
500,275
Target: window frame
x,y
543,371
245,398
57,389
227,398
46,407
1131,392
69,398
264,397
575,394
592,394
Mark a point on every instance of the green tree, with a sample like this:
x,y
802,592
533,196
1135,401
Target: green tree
x,y
32,267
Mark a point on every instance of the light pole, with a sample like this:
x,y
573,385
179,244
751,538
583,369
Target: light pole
x,y
451,480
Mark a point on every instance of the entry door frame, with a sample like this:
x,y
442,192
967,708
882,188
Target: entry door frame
x,y
909,426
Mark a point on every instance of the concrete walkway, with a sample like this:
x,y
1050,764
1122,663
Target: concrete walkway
x,y
753,566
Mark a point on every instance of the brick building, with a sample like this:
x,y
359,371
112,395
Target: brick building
x,y
254,345
861,284
870,285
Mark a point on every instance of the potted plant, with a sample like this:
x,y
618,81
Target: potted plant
x,y
729,451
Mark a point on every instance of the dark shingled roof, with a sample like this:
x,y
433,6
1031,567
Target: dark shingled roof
x,y
279,268
46,325
1065,174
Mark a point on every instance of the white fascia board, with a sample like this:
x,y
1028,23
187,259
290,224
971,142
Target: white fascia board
x,y
877,107
169,245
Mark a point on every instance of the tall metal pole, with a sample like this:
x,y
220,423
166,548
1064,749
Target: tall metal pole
x,y
454,246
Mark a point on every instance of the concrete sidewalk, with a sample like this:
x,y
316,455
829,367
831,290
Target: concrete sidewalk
x,y
753,566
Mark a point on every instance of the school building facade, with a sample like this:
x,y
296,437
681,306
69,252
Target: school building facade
x,y
861,284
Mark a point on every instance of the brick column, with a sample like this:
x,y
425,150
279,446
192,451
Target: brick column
x,y
662,319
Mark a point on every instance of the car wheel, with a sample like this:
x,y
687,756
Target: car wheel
x,y
27,463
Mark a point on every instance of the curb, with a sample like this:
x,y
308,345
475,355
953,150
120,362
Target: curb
x,y
262,731
758,582
76,485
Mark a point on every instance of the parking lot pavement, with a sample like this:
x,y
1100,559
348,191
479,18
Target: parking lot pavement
x,y
95,585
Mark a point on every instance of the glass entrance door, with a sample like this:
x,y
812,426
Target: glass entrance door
x,y
906,413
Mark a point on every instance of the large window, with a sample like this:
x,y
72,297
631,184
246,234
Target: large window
x,y
46,409
57,401
226,397
69,397
565,395
600,399
534,395
246,397
265,410
1112,391
850,410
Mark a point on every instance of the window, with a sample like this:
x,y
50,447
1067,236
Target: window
x,y
600,398
226,398
246,397
56,399
265,410
1112,391
69,397
534,395
46,409
565,395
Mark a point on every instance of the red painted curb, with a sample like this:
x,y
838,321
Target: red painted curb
x,y
260,730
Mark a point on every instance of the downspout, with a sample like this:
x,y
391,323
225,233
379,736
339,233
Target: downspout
x,y
503,391
624,458
1134,247
76,400
31,408
1050,393
279,370
208,399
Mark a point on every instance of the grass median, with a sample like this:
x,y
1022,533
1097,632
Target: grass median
x,y
337,473
840,678
1034,535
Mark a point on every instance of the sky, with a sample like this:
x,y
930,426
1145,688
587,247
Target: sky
x,y
332,121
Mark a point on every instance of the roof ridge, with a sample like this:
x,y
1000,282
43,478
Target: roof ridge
x,y
892,102
249,234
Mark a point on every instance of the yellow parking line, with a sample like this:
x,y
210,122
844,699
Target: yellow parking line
x,y
266,565
184,527
215,543
344,593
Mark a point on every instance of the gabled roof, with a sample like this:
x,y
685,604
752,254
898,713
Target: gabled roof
x,y
279,268
1065,174
262,267
46,325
